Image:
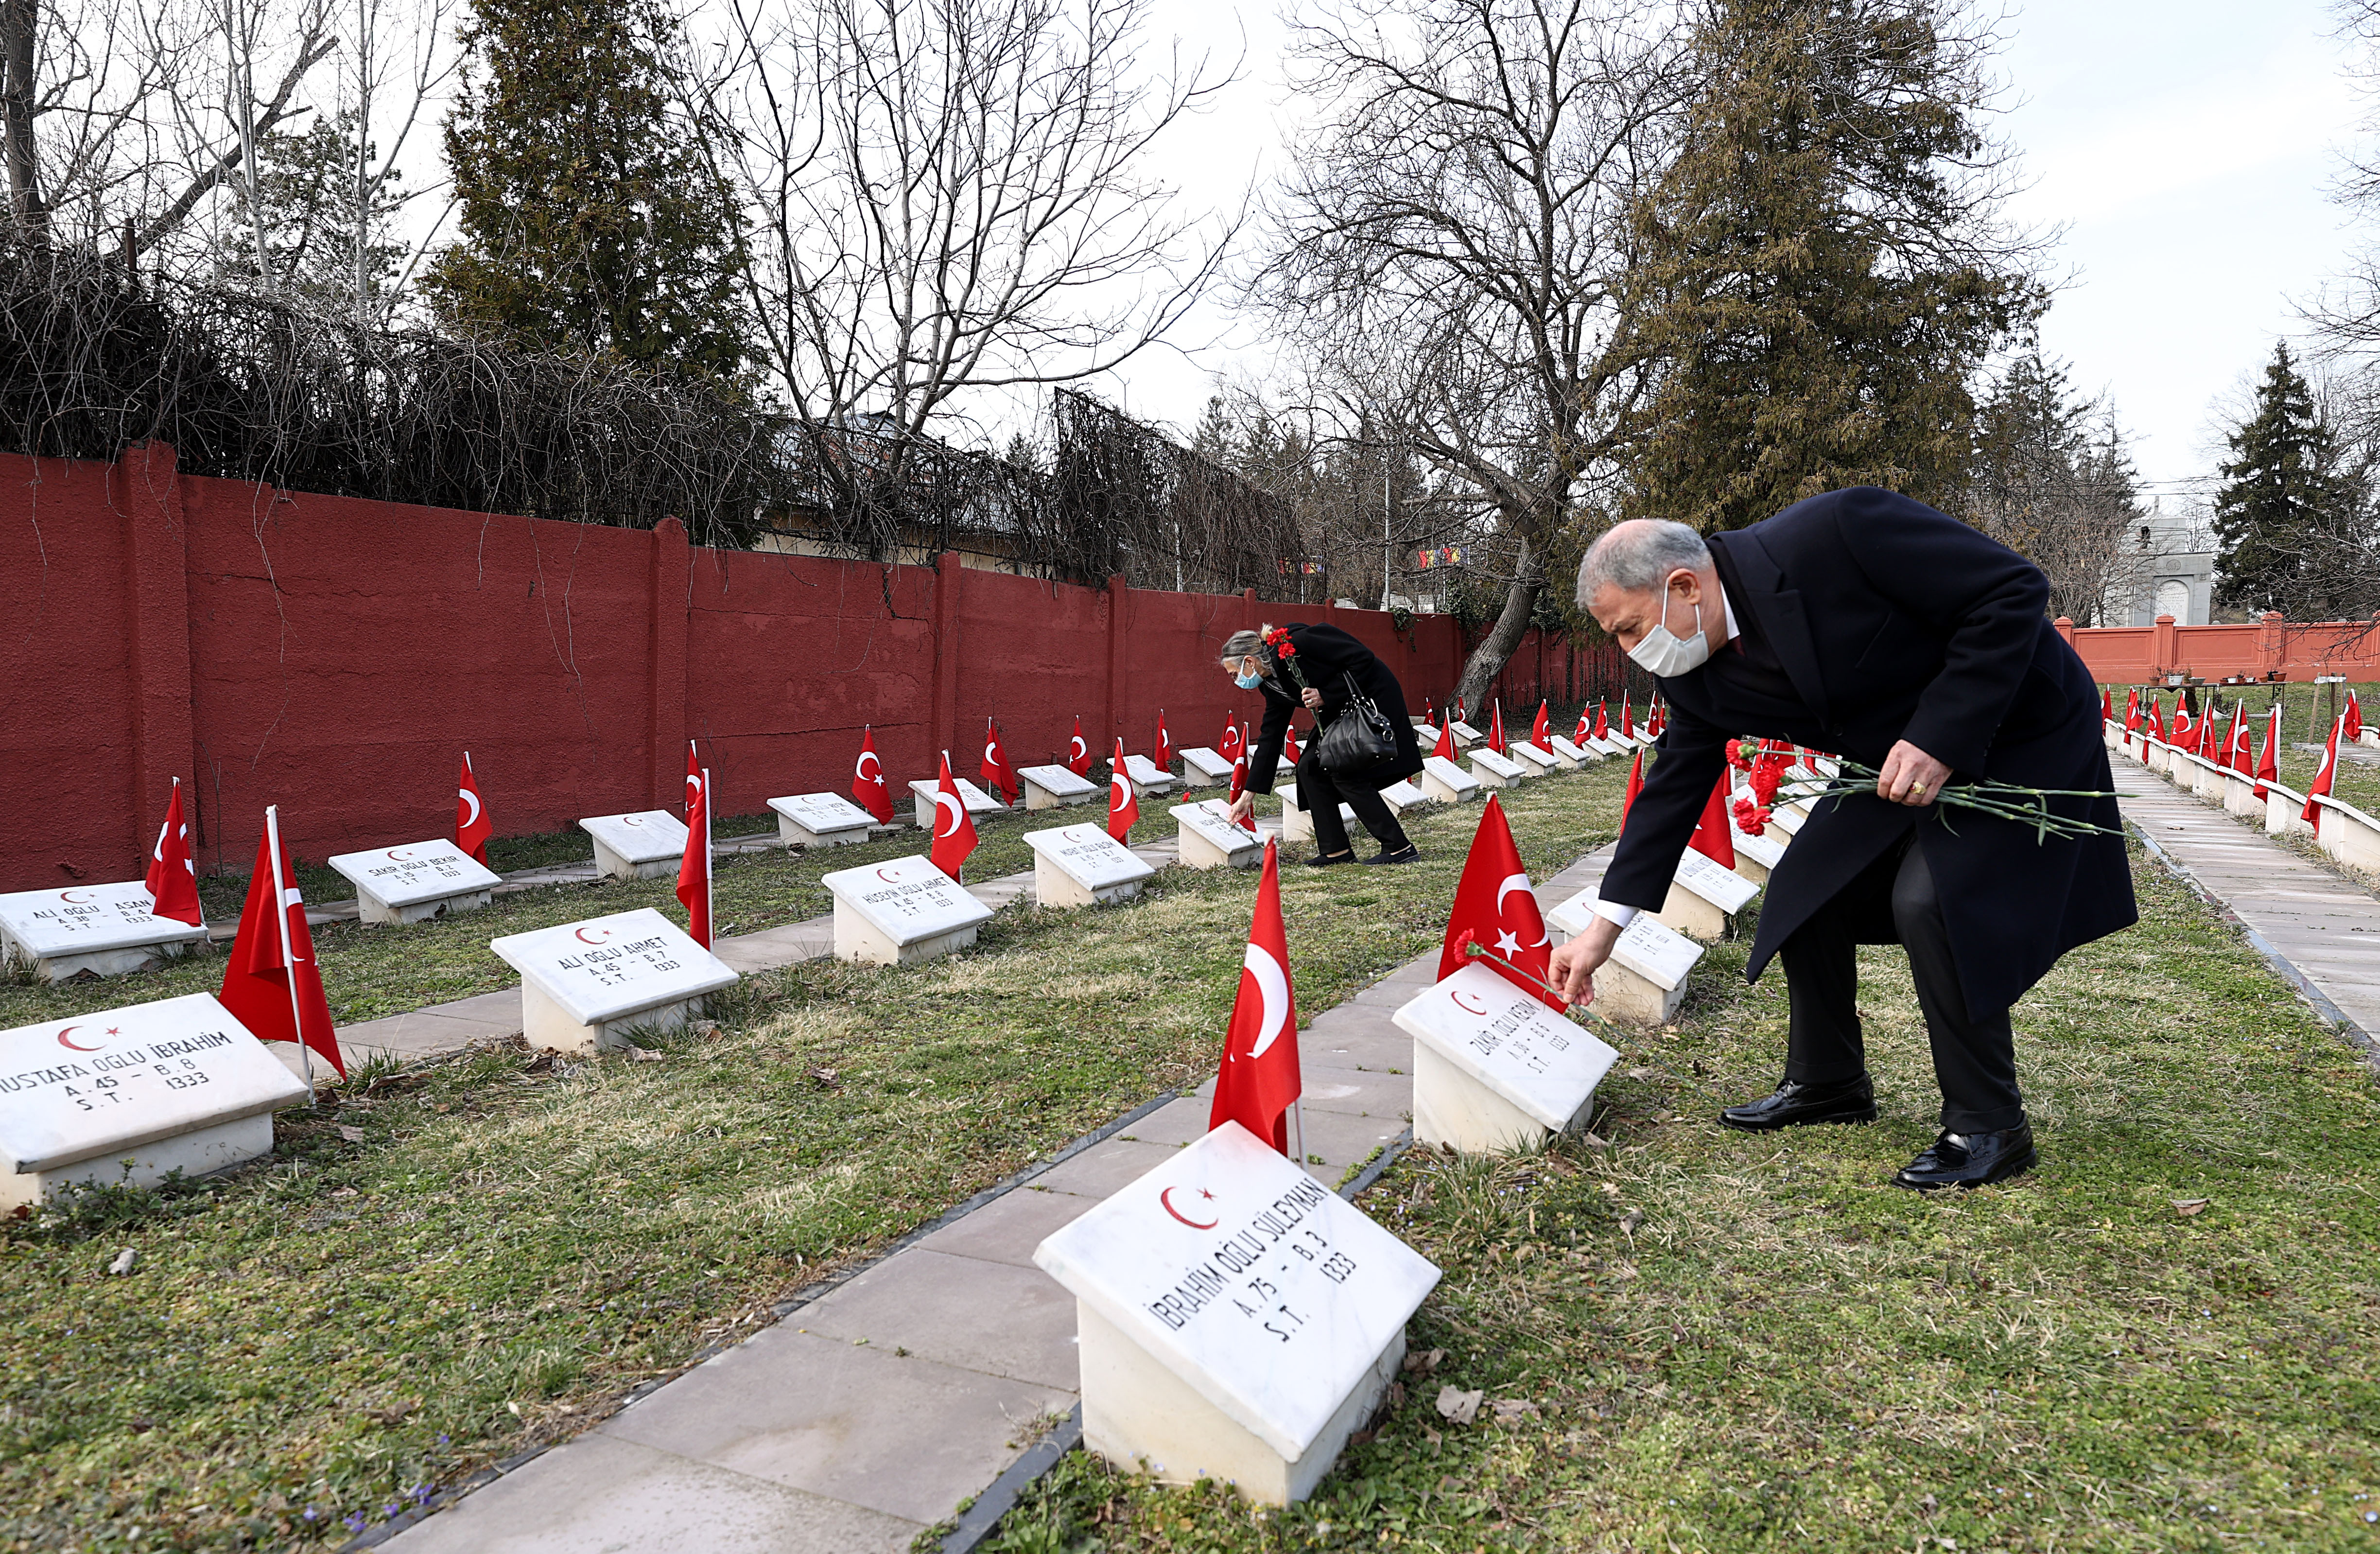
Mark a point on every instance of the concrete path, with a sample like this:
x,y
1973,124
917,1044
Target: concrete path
x,y
442,1029
2319,931
874,1406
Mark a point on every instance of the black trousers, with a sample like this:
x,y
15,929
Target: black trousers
x,y
1975,1051
1320,796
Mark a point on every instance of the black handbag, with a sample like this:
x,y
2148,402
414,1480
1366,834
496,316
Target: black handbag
x,y
1359,738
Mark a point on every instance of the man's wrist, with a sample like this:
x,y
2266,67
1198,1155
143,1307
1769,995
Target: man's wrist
x,y
1613,912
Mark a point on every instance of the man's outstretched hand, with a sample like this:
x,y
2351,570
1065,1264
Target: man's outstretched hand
x,y
1572,971
1911,776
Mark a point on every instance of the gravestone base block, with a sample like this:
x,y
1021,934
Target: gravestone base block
x,y
119,962
795,835
611,863
1053,886
547,1027
372,909
2239,797
1692,915
857,938
1454,1108
1195,851
1042,798
1750,867
1135,1411
193,1154
1623,996
1439,791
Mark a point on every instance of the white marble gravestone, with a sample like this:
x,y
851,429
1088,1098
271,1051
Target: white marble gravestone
x,y
647,844
1494,770
1297,825
1203,768
1644,981
1704,896
1207,839
105,930
1607,746
1237,1319
1465,737
1757,856
901,912
1401,796
1571,756
1148,778
1079,866
1494,1068
583,985
1446,782
414,883
819,821
131,1095
1536,759
1053,787
978,802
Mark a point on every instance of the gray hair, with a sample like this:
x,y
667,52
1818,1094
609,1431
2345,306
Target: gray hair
x,y
1637,555
1243,645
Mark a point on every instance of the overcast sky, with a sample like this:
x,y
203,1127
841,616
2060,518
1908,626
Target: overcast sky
x,y
2183,145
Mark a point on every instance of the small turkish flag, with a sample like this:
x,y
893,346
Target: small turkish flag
x,y
1603,720
1445,739
1239,786
694,868
2325,775
2156,721
2180,722
1233,747
1289,751
1635,786
694,785
1258,1080
2132,710
2354,719
1627,719
867,786
272,983
1078,752
2268,768
1164,755
2107,705
1659,720
173,878
996,770
1541,732
471,826
1495,909
2237,745
1585,728
1496,729
1123,804
1712,836
953,826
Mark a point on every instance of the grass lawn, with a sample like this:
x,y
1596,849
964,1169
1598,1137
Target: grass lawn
x,y
2163,1340
464,1262
370,971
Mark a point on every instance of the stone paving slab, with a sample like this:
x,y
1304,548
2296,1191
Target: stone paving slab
x,y
990,1317
1008,1227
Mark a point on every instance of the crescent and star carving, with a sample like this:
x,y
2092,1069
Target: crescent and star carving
x,y
1165,1201
75,1045
580,935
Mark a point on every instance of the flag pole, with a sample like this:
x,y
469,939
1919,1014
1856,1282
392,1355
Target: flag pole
x,y
710,896
281,932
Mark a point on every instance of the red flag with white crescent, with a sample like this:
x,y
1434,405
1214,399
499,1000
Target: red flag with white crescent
x,y
1289,751
694,785
2354,719
2132,710
2268,768
1239,786
2156,720
1635,786
272,982
997,773
1496,728
1078,751
1233,747
1445,747
1164,755
953,826
472,827
1259,1081
2325,775
1627,719
1541,732
1658,719
1603,720
1123,803
867,786
1585,728
1714,835
1495,908
694,865
173,878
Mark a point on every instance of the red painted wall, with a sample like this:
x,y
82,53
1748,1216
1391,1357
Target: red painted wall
x,y
2268,648
336,656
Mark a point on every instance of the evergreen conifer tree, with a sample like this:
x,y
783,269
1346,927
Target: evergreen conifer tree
x,y
587,225
2281,503
1820,276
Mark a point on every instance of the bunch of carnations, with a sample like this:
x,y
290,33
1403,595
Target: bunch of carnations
x,y
2007,800
1284,652
1763,762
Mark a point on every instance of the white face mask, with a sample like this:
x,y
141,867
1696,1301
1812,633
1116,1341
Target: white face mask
x,y
1661,652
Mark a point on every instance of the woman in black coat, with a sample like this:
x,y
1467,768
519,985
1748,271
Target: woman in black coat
x,y
1326,659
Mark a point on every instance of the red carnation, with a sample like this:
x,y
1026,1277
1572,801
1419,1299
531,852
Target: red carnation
x,y
1763,781
1750,818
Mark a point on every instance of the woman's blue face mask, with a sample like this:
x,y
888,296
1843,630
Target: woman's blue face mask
x,y
1247,682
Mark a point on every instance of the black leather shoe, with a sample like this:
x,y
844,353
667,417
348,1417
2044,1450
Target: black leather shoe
x,y
1407,854
1971,1159
1331,860
1794,1103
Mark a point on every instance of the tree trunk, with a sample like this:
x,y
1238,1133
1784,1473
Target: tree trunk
x,y
1503,638
18,20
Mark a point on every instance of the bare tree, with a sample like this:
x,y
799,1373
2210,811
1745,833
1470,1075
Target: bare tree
x,y
1454,244
2051,480
946,196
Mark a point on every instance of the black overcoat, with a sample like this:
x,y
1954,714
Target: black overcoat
x,y
1324,654
1895,622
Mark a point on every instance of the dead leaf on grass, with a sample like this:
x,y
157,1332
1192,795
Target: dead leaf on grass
x,y
1511,1410
646,1055
1459,1407
827,1078
2187,1206
353,1135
